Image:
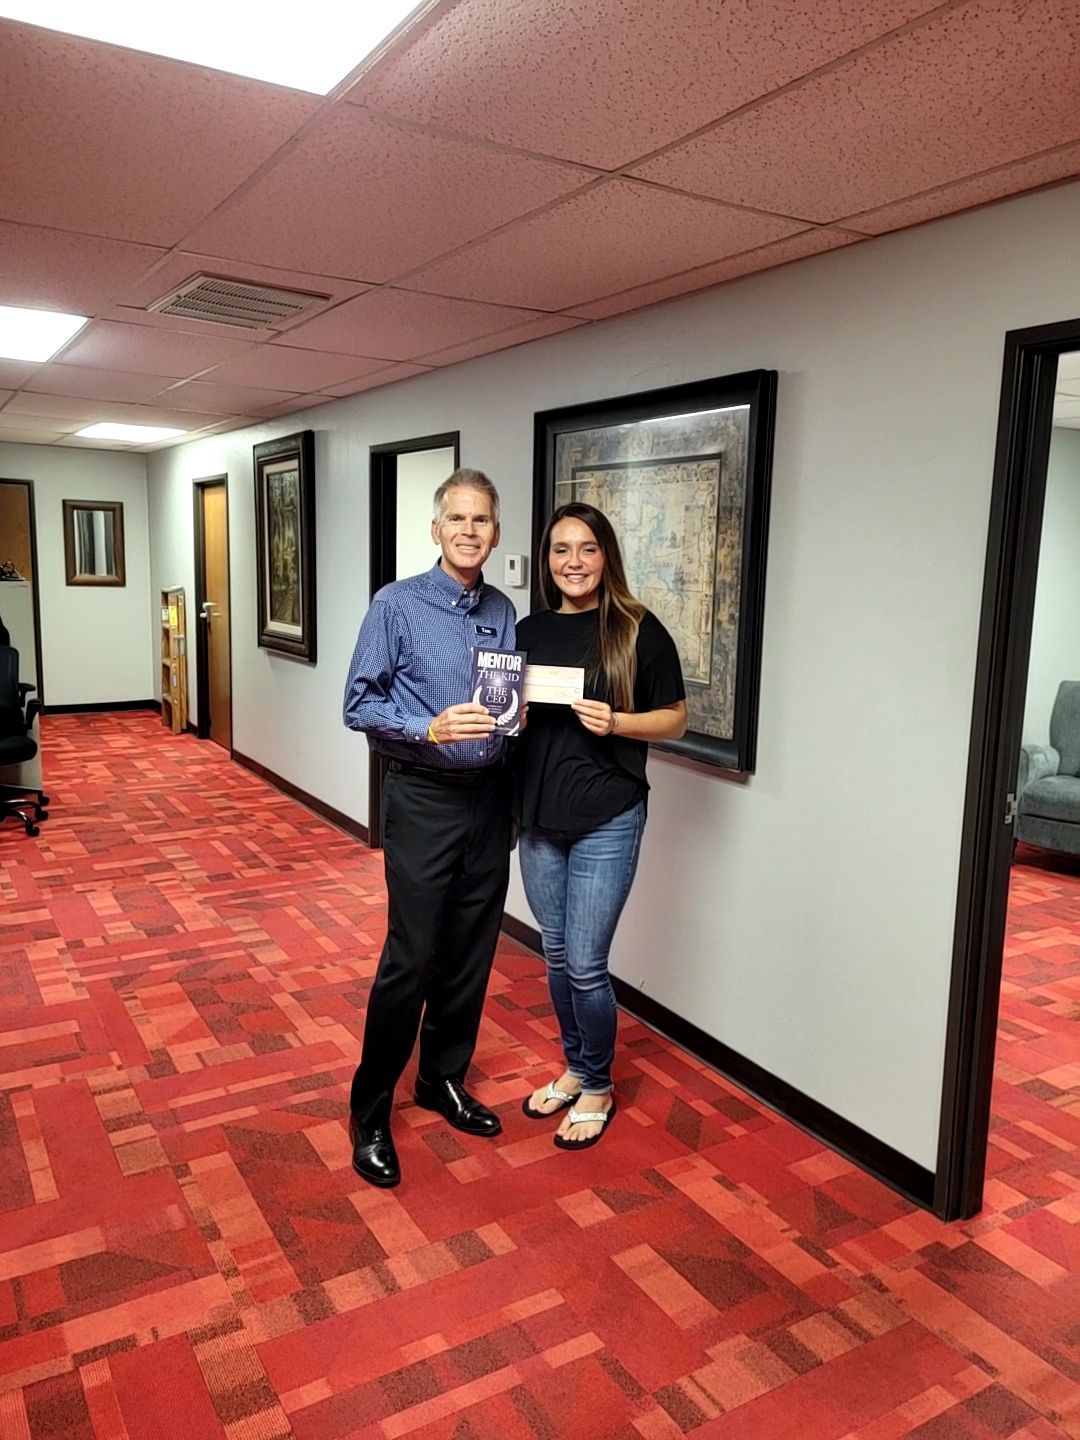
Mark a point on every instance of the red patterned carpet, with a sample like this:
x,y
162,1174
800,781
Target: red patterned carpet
x,y
185,1252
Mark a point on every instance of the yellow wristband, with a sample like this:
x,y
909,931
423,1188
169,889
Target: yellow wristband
x,y
431,734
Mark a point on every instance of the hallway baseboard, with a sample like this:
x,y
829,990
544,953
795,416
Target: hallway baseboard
x,y
100,706
336,817
886,1164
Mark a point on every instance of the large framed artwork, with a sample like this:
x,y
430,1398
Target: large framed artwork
x,y
285,544
683,474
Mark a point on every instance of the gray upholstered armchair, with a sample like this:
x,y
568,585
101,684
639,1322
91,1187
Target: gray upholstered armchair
x,y
1048,785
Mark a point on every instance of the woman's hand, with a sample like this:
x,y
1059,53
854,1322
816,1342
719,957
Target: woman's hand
x,y
667,723
597,716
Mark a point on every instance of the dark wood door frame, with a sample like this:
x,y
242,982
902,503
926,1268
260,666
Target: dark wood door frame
x,y
35,584
383,562
1008,606
202,649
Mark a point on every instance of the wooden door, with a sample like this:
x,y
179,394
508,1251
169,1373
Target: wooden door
x,y
215,612
18,546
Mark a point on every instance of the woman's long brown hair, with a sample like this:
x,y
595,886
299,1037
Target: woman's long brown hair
x,y
620,613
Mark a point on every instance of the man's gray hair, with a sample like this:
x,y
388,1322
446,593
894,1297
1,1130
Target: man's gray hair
x,y
467,480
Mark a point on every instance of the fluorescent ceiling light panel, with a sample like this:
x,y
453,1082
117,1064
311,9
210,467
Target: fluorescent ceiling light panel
x,y
307,49
35,334
134,434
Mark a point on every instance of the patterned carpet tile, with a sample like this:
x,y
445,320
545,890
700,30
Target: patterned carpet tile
x,y
186,1254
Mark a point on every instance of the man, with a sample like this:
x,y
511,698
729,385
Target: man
x,y
446,822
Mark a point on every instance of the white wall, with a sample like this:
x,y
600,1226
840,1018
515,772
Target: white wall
x,y
804,918
419,475
96,642
1055,636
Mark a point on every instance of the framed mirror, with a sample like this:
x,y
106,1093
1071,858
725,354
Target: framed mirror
x,y
94,542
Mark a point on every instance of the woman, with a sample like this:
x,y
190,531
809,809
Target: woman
x,y
582,788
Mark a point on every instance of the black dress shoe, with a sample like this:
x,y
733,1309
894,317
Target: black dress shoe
x,y
454,1103
373,1157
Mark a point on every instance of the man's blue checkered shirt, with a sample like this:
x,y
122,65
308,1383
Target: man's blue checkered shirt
x,y
413,658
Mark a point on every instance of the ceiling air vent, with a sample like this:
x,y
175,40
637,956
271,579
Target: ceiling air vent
x,y
234,302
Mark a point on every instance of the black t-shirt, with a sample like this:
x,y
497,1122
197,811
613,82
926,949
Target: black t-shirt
x,y
570,780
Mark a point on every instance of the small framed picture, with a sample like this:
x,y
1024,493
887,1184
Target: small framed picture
x,y
94,542
285,540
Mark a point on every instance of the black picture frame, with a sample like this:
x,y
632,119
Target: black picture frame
x,y
714,438
285,544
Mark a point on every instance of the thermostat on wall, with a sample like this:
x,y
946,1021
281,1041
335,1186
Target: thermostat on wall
x,y
514,570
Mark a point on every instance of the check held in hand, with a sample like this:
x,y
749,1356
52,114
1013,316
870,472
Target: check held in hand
x,y
554,684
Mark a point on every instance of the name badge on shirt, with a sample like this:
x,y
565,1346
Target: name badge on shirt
x,y
484,629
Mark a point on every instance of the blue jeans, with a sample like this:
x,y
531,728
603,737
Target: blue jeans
x,y
577,887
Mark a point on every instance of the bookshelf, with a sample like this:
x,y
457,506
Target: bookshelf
x,y
173,660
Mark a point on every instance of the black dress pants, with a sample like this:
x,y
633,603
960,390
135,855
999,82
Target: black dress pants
x,y
447,854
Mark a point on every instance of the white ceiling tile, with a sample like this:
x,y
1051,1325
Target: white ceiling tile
x,y
286,367
612,237
401,324
14,373
980,85
60,407
225,399
110,142
610,80
38,436
537,329
90,384
781,252
55,270
387,198
387,376
145,349
70,413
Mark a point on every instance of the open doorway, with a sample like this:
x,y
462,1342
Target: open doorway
x,y
213,648
404,476
1029,396
18,547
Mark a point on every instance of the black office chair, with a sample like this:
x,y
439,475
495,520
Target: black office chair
x,y
17,745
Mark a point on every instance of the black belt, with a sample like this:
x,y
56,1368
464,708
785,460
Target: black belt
x,y
478,775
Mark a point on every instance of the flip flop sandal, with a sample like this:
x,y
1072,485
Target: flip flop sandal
x,y
587,1117
564,1098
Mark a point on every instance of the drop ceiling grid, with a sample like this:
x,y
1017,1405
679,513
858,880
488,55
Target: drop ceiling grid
x,y
614,80
454,201
841,144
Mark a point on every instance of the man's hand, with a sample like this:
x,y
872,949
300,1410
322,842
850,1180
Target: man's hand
x,y
462,722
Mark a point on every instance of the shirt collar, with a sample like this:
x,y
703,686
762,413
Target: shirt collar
x,y
452,590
